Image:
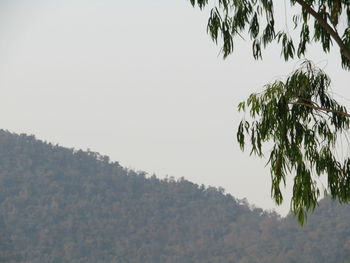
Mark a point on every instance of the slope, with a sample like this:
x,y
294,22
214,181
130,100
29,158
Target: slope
x,y
63,205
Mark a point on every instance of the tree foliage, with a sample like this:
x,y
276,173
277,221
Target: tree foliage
x,y
231,18
304,122
299,114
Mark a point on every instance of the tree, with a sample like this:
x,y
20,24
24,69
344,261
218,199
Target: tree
x,y
299,114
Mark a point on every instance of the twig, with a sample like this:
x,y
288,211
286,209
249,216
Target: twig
x,y
320,108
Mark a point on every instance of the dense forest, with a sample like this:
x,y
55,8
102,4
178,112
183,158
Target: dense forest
x,y
60,205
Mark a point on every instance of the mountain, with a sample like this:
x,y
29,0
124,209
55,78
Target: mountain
x,y
60,205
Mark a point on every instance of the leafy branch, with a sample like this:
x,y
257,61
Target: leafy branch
x,y
322,20
304,142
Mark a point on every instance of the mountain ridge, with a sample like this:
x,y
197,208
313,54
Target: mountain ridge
x,y
65,205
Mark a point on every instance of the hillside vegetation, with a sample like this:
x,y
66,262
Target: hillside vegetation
x,y
60,205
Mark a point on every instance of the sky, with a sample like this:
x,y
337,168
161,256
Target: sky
x,y
141,82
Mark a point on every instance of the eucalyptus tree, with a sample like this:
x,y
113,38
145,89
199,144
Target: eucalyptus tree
x,y
298,114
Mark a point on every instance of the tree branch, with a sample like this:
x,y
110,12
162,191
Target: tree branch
x,y
320,108
343,49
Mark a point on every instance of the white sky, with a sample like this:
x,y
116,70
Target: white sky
x,y
141,82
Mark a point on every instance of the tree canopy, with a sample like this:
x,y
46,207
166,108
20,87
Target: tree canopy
x,y
298,114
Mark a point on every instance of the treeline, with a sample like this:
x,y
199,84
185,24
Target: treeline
x,y
60,205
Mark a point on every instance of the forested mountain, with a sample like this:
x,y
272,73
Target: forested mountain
x,y
66,206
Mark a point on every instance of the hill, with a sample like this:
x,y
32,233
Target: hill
x,y
61,205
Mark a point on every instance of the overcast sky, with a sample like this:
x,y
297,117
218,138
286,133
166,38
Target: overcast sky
x,y
141,82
